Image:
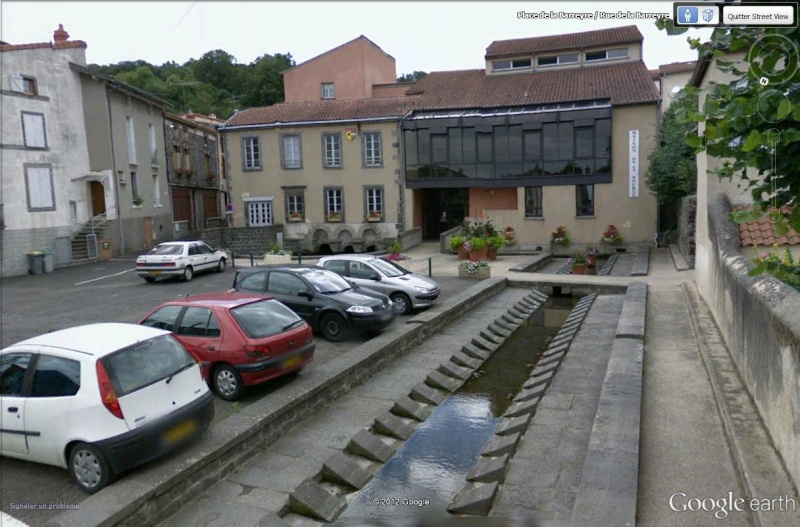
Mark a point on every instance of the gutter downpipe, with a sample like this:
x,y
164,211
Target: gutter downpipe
x,y
114,166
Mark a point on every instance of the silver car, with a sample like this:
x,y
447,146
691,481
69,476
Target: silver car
x,y
407,290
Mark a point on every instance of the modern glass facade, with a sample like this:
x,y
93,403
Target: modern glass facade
x,y
531,146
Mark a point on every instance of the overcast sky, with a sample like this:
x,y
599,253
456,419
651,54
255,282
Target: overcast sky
x,y
425,36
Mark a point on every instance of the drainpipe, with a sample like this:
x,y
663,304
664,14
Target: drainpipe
x,y
114,173
402,177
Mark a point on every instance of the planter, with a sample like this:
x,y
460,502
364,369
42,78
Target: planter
x,y
372,218
481,274
295,218
591,270
277,259
579,269
612,241
462,253
491,254
477,255
335,219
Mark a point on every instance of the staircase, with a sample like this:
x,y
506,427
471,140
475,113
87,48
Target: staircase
x,y
80,245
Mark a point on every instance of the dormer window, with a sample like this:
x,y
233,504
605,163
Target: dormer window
x,y
569,58
506,65
608,54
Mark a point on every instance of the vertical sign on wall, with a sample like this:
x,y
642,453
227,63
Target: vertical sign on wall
x,y
633,156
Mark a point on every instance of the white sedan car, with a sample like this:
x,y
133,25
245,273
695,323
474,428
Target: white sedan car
x,y
100,399
182,259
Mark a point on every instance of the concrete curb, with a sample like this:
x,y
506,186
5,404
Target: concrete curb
x,y
152,493
530,265
678,259
641,263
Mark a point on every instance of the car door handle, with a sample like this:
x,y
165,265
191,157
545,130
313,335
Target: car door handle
x,y
210,348
13,409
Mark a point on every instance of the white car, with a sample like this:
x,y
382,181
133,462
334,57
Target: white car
x,y
100,399
182,259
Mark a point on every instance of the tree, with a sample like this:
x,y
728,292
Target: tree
x,y
672,173
751,125
264,84
411,77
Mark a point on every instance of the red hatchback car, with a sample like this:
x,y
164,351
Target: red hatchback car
x,y
240,339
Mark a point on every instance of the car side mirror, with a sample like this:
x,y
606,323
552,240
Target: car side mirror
x,y
305,294
375,277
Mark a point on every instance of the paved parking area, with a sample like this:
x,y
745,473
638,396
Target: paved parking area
x,y
110,291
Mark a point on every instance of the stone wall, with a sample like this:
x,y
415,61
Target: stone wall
x,y
687,219
757,317
16,243
410,238
241,240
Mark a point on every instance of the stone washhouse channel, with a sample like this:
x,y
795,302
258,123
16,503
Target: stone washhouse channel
x,y
444,448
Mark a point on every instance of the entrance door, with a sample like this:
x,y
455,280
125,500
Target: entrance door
x,y
443,209
148,232
98,195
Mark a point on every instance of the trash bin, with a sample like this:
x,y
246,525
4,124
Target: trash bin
x,y
35,262
48,260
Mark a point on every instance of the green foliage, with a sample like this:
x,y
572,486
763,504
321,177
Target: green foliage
x,y
395,248
214,83
672,173
411,77
276,250
456,242
785,268
478,243
749,125
497,241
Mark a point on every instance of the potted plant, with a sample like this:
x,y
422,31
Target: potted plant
x,y
559,236
510,235
457,246
591,257
276,256
335,216
395,256
479,248
611,235
495,243
138,200
578,260
374,216
478,270
295,216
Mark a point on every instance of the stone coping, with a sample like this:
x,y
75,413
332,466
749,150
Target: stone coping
x,y
154,491
533,263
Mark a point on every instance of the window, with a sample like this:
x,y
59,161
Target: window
x,y
265,318
131,140
328,91
194,322
373,149
163,318
56,377
135,189
294,206
251,151
362,270
204,248
500,65
332,150
583,143
24,85
290,150
484,148
259,213
439,149
39,183
374,202
333,203
337,266
584,200
156,192
285,284
252,282
533,146
12,372
620,53
151,129
33,130
194,250
568,58
533,202
145,363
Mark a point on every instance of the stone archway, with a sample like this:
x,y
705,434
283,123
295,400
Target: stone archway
x,y
319,239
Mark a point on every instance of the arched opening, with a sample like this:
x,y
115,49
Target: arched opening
x,y
370,249
349,250
325,249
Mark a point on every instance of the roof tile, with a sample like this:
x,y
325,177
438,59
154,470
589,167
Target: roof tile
x,y
600,37
761,233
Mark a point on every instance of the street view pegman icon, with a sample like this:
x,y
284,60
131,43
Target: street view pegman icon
x,y
687,15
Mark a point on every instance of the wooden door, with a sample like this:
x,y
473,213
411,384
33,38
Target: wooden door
x,y
98,195
148,232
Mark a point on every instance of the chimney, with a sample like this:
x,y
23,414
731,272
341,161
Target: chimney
x,y
213,116
59,35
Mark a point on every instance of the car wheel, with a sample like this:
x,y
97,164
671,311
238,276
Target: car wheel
x,y
402,303
228,383
333,327
221,265
149,279
188,274
88,468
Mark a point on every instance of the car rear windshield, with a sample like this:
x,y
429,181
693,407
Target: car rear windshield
x,y
167,249
265,318
146,363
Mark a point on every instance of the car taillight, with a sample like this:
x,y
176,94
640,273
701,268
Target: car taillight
x,y
107,394
257,352
169,264
141,264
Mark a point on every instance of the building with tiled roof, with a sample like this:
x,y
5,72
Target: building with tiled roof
x,y
535,141
760,235
671,79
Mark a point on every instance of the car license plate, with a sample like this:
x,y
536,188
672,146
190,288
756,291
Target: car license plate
x,y
155,273
180,432
292,362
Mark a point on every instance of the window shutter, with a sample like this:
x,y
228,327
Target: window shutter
x,y
41,196
34,130
16,83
